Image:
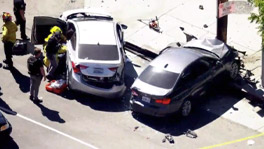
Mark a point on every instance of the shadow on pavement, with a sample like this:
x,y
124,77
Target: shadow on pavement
x,y
52,115
5,108
176,125
22,80
249,90
9,143
207,109
130,74
97,103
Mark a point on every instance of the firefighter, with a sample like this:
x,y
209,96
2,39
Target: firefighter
x,y
8,38
52,46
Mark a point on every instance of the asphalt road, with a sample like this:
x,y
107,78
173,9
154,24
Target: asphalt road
x,y
75,120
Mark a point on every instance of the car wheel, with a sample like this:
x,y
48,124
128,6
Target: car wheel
x,y
234,71
186,108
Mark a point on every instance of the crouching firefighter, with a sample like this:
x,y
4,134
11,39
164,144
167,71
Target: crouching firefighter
x,y
9,37
53,44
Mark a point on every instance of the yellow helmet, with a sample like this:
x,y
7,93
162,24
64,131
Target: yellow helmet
x,y
55,29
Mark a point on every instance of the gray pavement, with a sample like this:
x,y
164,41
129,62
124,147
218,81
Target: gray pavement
x,y
78,120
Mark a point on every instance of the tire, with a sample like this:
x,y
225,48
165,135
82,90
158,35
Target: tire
x,y
234,71
186,108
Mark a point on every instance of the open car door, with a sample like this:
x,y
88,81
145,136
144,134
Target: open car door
x,y
41,28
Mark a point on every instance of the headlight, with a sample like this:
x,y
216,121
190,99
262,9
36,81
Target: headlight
x,y
4,127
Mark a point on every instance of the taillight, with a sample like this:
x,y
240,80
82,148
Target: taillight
x,y
164,101
77,68
113,68
83,67
134,93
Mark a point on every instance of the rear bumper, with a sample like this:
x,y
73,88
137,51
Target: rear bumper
x,y
75,83
147,109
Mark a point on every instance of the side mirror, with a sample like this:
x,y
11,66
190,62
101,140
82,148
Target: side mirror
x,y
123,26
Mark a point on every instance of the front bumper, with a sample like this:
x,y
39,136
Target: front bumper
x,y
76,83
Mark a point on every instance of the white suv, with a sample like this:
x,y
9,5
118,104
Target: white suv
x,y
95,54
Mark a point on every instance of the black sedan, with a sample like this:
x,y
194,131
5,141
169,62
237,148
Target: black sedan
x,y
174,79
5,127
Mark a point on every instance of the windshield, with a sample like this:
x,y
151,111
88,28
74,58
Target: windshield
x,y
98,52
159,77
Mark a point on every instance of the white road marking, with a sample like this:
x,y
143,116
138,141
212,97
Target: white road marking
x,y
57,131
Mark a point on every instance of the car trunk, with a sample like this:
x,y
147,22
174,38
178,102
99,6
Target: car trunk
x,y
148,94
101,75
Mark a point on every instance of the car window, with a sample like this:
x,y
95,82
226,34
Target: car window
x,y
158,77
98,52
193,71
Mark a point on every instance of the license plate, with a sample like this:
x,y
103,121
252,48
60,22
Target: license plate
x,y
98,70
146,99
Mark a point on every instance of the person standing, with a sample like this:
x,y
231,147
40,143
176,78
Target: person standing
x,y
8,38
36,71
19,11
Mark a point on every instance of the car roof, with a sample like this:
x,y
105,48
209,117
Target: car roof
x,y
98,32
91,11
176,59
212,45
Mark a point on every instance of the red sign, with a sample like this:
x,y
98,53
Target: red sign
x,y
226,8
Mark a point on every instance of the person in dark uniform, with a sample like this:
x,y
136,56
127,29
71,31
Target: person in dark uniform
x,y
36,71
19,11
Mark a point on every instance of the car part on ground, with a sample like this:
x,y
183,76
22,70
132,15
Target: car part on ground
x,y
191,134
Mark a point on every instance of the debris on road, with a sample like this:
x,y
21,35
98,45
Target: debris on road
x,y
136,128
247,83
169,138
182,28
191,134
250,142
201,7
152,23
163,140
205,26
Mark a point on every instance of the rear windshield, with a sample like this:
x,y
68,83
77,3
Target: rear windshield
x,y
98,52
159,77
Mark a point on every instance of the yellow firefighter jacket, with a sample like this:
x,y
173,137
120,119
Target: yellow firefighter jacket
x,y
9,32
